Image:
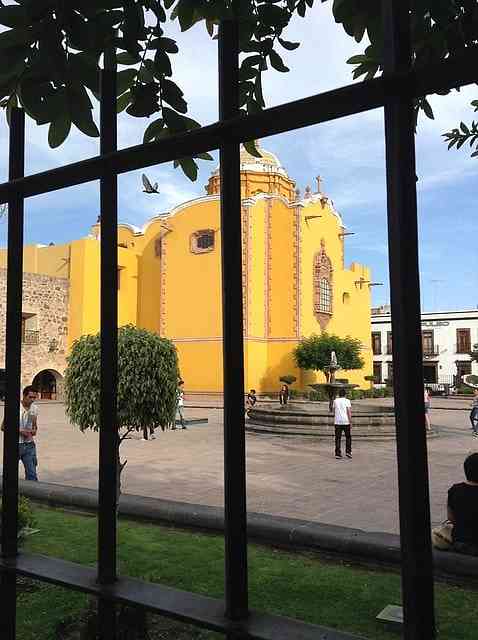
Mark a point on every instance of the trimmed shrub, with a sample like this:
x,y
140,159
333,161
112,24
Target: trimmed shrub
x,y
26,517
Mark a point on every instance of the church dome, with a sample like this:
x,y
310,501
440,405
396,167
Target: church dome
x,y
267,163
261,175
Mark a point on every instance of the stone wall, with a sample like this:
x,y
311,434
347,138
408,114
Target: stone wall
x,y
45,310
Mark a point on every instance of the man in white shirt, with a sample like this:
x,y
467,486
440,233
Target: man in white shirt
x,y
342,421
28,426
180,405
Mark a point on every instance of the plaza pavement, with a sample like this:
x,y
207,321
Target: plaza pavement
x,y
299,478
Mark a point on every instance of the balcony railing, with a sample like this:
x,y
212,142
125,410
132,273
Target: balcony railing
x,y
431,350
31,337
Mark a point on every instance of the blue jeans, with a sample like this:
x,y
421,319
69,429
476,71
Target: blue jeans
x,y
27,453
179,412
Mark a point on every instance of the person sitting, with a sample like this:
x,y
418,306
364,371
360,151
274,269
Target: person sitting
x,y
251,400
463,509
284,395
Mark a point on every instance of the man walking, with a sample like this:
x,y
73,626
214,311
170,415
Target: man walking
x,y
28,429
180,405
342,421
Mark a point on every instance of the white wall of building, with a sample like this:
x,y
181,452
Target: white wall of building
x,y
444,356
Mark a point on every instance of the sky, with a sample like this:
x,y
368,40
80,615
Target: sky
x,y
348,154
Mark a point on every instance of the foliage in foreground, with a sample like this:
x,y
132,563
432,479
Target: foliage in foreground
x,y
51,54
313,353
147,381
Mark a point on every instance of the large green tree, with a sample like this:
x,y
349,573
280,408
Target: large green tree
x,y
147,383
51,54
314,353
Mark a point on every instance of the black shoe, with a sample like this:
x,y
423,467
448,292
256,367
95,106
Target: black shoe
x,y
338,456
349,455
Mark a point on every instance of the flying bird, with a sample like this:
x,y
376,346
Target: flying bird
x,y
148,187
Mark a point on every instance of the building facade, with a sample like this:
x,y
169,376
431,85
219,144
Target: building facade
x,y
448,337
295,282
45,312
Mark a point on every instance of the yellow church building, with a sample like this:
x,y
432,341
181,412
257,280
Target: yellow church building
x,y
295,282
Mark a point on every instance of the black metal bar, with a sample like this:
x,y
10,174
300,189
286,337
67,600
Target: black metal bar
x,y
414,499
194,608
13,363
364,96
108,449
235,510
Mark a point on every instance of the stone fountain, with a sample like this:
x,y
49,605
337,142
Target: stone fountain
x,y
315,418
332,387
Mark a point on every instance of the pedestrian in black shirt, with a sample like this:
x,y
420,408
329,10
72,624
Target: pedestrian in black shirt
x,y
463,509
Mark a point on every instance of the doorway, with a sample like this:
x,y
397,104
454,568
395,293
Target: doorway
x,y
45,384
430,373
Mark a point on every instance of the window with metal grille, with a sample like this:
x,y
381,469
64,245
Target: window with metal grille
x,y
202,241
325,297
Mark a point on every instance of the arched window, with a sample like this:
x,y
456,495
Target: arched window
x,y
325,298
323,287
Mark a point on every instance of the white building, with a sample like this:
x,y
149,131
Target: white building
x,y
447,339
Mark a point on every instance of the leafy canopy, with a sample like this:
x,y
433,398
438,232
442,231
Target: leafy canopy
x,y
147,380
52,51
313,353
439,29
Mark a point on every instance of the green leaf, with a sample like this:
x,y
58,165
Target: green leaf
x,y
59,130
189,167
168,45
173,95
124,80
178,123
144,100
250,147
86,70
205,156
357,59
162,64
123,101
290,46
464,128
153,130
277,62
80,110
428,109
